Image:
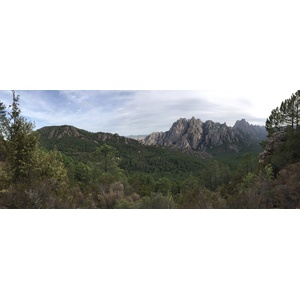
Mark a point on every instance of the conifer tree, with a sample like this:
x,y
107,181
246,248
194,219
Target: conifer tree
x,y
285,116
18,140
274,122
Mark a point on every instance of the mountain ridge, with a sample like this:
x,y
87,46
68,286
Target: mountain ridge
x,y
194,135
187,135
61,131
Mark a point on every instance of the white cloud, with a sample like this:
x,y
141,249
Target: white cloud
x,y
142,112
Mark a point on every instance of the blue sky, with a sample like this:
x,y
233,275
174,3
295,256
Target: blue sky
x,y
141,112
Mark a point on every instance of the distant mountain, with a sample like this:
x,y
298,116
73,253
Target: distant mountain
x,y
59,132
137,137
70,139
193,135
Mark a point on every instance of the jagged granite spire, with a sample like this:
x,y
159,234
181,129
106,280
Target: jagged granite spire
x,y
194,135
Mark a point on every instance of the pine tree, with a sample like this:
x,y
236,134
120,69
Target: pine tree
x,y
285,116
18,141
275,120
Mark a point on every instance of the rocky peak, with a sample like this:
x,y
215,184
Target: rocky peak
x,y
185,132
184,135
241,124
250,132
218,135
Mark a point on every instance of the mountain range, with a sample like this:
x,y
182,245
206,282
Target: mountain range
x,y
187,135
192,135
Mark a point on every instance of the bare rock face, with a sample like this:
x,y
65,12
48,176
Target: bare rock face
x,y
103,137
272,144
249,132
218,135
154,138
63,131
194,135
183,135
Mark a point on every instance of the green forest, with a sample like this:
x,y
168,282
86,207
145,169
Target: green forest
x,y
72,172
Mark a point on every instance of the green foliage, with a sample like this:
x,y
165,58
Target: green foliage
x,y
83,173
129,201
275,121
18,142
142,183
49,165
156,201
214,174
248,181
107,156
268,171
287,115
163,185
126,204
194,195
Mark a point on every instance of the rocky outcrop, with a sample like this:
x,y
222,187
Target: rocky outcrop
x,y
63,131
194,135
218,135
183,135
103,137
155,138
271,145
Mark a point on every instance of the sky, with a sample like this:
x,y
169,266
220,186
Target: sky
x,y
141,112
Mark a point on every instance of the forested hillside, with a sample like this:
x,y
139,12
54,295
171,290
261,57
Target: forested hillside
x,y
67,167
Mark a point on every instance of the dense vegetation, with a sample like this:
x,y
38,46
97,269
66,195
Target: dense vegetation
x,y
285,116
71,172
